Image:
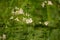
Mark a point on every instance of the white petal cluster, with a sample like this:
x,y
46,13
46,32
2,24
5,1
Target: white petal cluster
x,y
17,11
50,3
46,2
4,36
28,20
20,11
46,23
43,4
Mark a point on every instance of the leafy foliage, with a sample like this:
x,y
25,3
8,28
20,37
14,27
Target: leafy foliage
x,y
30,19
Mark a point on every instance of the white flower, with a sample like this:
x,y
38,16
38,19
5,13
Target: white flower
x,y
29,20
46,23
50,3
15,9
11,17
4,36
17,12
17,19
43,4
20,11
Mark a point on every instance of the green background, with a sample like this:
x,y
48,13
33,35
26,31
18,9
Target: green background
x,y
34,31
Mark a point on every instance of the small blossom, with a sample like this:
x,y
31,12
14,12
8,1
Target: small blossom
x,y
17,12
20,11
50,3
4,36
43,4
29,20
17,19
46,23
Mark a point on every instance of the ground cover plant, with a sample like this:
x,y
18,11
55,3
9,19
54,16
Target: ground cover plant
x,y
29,19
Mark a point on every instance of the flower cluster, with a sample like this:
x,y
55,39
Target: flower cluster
x,y
28,20
46,23
46,2
3,37
17,11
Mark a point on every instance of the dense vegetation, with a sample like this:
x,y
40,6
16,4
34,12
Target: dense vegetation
x,y
29,20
